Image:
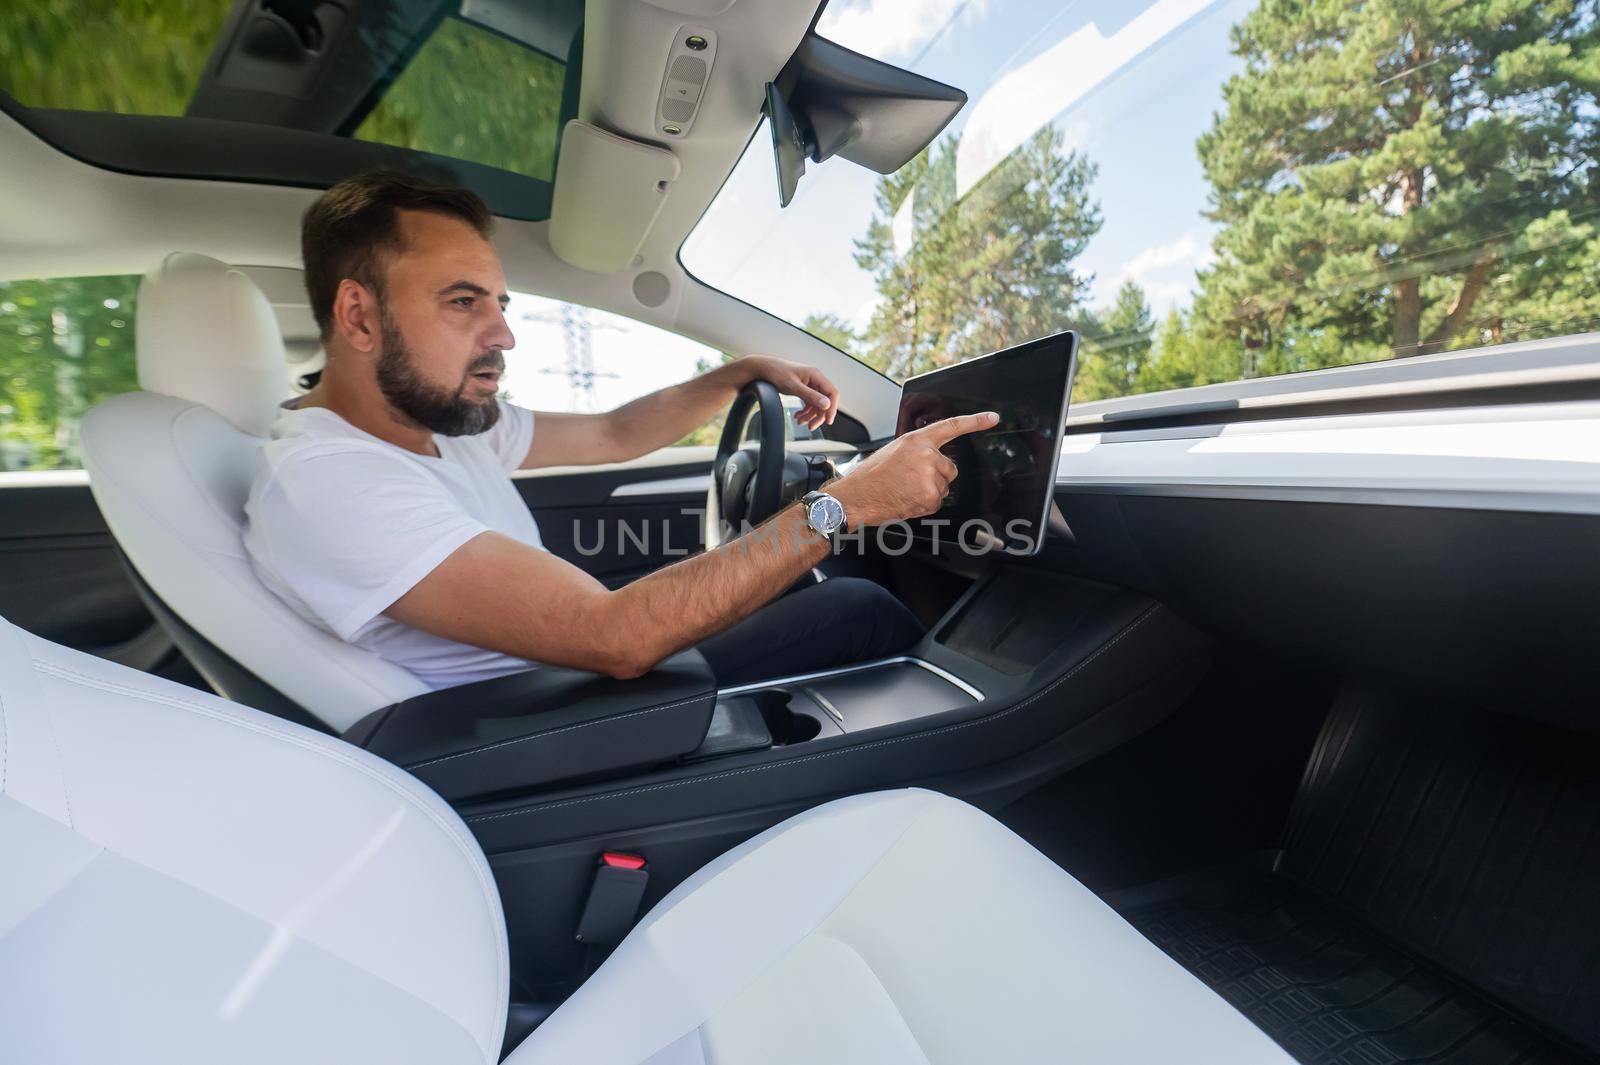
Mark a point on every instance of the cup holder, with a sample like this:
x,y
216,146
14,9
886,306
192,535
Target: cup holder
x,y
758,720
786,725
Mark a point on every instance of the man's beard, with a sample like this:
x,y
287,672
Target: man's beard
x,y
438,410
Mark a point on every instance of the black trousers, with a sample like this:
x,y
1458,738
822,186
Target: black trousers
x,y
840,620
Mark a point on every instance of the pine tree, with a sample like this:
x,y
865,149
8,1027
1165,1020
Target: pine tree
x,y
832,329
1117,343
1402,176
992,269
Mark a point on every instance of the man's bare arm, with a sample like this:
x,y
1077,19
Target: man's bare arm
x,y
664,417
498,593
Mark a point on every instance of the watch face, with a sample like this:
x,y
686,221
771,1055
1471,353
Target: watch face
x,y
826,515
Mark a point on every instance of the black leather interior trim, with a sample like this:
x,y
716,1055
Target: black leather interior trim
x,y
60,578
362,730
1132,641
1475,604
542,726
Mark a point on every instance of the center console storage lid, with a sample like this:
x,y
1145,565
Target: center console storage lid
x,y
530,729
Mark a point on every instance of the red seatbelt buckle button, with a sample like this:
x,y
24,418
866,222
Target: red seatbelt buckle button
x,y
613,904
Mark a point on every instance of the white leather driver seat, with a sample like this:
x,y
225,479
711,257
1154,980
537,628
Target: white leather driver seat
x,y
170,467
188,881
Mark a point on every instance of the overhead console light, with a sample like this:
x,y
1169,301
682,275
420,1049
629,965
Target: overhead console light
x,y
828,100
684,83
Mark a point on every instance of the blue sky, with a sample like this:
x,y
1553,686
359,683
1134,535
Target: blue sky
x,y
1130,84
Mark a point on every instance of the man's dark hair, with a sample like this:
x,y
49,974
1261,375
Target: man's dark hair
x,y
355,224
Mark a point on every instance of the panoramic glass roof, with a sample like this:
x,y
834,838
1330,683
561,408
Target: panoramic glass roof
x,y
479,81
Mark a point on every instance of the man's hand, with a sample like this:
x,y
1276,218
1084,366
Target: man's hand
x,y
809,384
908,477
656,420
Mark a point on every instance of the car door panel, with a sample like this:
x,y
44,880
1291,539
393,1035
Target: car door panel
x,y
61,579
620,522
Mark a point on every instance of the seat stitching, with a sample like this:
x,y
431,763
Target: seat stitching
x,y
61,765
556,732
475,857
942,730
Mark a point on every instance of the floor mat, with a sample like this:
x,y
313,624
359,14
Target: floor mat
x,y
1322,985
1472,838
1436,897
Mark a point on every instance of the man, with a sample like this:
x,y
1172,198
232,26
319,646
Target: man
x,y
383,511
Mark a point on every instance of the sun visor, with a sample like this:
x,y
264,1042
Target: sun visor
x,y
831,101
609,190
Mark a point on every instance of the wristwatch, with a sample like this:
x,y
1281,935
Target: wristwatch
x,y
824,513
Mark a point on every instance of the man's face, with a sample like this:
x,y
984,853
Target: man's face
x,y
443,327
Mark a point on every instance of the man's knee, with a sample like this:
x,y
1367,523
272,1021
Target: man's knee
x,y
857,596
882,622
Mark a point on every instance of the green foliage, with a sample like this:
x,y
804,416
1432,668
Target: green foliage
x,y
64,346
1402,176
711,431
1183,357
470,94
137,57
990,270
467,93
1114,357
832,329
1391,177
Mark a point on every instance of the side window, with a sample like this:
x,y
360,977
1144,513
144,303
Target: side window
x,y
576,359
65,344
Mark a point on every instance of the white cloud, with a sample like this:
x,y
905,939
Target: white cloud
x,y
1019,103
903,228
1165,272
863,316
1187,251
892,29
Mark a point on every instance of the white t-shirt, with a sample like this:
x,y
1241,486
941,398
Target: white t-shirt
x,y
340,524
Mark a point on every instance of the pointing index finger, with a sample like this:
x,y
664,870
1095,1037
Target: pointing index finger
x,y
942,432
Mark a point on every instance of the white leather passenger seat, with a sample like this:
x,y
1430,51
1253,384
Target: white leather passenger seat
x,y
186,881
894,928
183,880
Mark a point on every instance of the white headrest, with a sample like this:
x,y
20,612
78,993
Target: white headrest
x,y
207,334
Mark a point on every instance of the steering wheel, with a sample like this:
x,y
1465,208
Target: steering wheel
x,y
749,482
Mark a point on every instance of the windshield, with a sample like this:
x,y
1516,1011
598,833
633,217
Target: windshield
x,y
1208,191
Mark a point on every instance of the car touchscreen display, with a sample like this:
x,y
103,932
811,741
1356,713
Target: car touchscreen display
x,y
1003,490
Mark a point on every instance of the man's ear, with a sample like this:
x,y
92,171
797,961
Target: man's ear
x,y
356,317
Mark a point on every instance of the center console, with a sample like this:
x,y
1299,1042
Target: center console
x,y
1007,626
518,737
